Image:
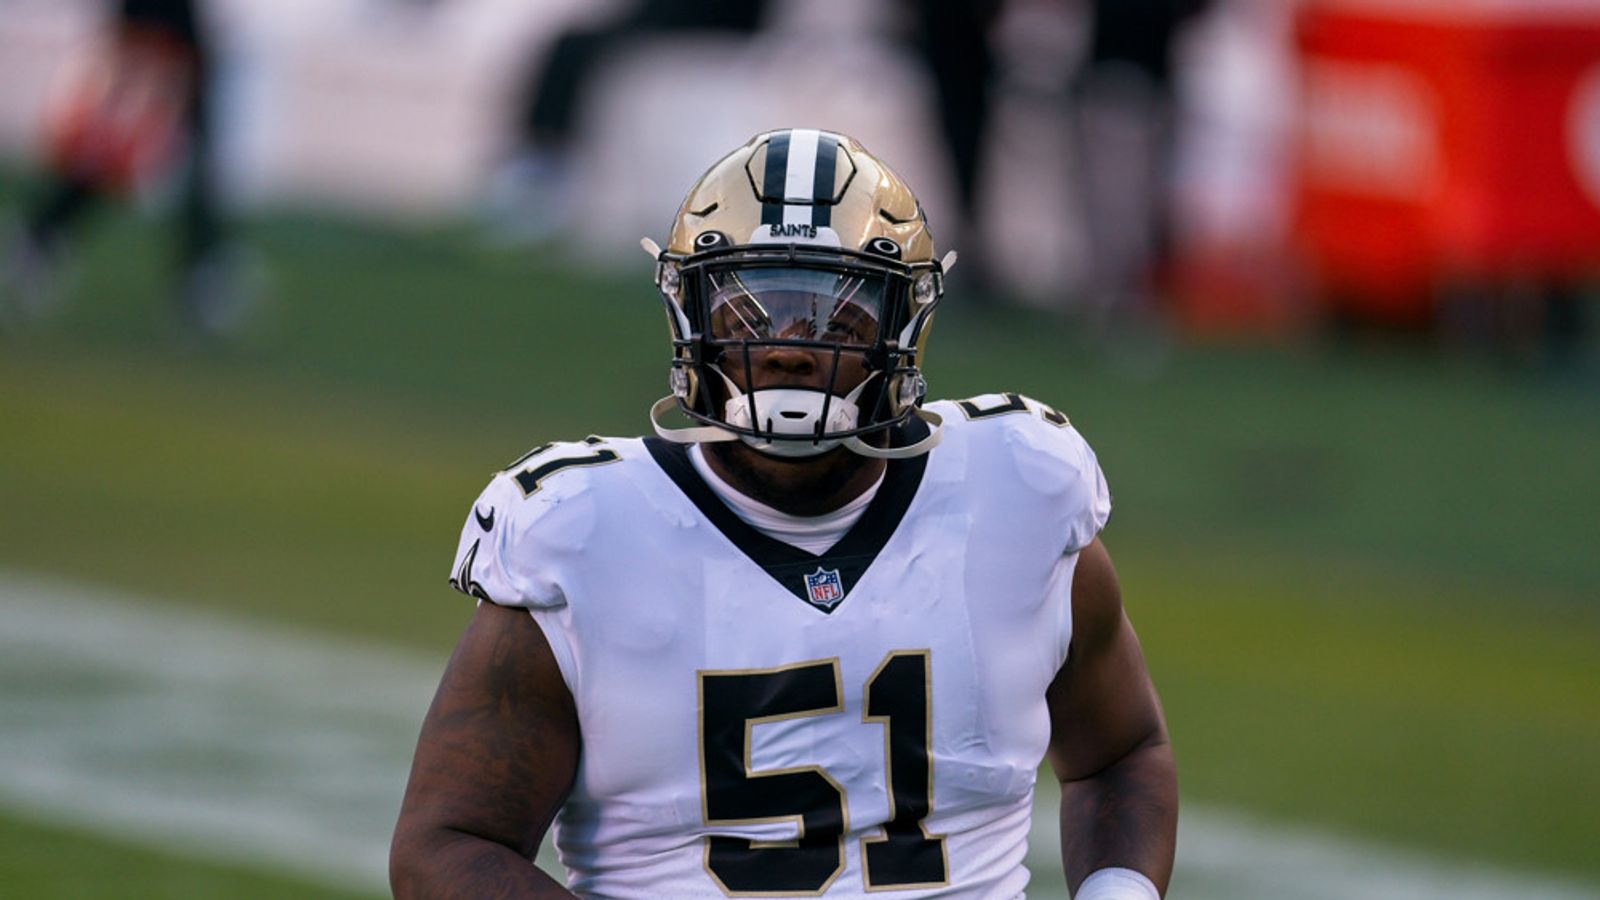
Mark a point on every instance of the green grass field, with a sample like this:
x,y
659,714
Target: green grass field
x,y
42,860
1364,575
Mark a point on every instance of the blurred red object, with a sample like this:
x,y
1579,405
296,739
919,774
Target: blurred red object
x,y
116,121
1445,144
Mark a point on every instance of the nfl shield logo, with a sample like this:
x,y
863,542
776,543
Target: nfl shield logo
x,y
824,588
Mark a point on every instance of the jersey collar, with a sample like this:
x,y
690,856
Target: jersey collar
x,y
822,581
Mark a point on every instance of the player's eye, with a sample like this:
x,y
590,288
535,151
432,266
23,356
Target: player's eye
x,y
739,319
842,332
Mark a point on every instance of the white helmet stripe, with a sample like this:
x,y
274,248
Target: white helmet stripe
x,y
800,176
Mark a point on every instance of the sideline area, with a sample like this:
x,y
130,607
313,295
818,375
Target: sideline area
x,y
223,739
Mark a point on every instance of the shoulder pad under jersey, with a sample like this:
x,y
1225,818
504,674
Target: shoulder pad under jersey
x,y
527,516
1039,448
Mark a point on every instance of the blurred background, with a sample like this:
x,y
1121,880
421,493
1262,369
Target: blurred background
x,y
283,281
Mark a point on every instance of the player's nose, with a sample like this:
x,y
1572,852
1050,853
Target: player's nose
x,y
789,362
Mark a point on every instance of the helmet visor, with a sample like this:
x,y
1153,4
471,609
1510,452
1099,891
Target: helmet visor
x,y
794,304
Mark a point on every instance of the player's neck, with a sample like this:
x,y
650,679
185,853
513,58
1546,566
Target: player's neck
x,y
800,487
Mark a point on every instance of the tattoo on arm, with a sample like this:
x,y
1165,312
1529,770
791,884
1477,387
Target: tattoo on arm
x,y
496,757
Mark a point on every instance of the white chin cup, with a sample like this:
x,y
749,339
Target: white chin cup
x,y
791,416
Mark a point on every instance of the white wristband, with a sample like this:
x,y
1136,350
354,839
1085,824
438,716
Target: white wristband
x,y
1117,884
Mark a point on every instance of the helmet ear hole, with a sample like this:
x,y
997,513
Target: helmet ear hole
x,y
885,247
711,240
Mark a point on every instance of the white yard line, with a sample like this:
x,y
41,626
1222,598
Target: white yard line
x,y
221,738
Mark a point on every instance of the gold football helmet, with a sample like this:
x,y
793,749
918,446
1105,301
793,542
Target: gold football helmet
x,y
799,239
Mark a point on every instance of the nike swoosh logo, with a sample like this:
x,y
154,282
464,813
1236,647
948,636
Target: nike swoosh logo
x,y
484,522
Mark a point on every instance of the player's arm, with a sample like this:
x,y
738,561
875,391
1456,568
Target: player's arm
x,y
1108,741
497,755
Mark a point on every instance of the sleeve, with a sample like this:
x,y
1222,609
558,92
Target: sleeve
x,y
1054,460
1085,509
497,558
1090,499
1083,505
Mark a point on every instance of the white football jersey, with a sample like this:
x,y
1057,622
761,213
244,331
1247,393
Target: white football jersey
x,y
761,721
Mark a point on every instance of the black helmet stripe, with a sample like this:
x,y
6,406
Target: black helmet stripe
x,y
797,184
822,183
773,179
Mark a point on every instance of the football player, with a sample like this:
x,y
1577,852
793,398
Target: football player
x,y
814,642
120,125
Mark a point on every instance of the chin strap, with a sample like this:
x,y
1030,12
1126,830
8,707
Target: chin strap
x,y
697,434
862,448
711,434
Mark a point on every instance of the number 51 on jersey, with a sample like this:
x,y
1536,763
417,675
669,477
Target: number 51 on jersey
x,y
733,702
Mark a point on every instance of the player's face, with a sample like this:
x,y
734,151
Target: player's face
x,y
836,317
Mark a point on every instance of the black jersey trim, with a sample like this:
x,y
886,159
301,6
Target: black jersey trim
x,y
787,564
